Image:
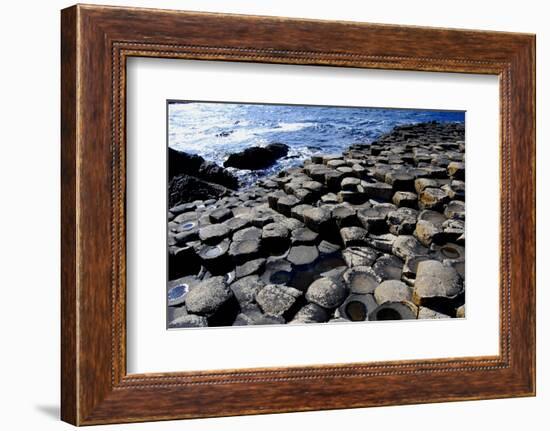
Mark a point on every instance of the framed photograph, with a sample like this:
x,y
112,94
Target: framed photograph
x,y
264,214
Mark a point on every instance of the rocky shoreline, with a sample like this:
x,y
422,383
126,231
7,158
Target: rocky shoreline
x,y
374,233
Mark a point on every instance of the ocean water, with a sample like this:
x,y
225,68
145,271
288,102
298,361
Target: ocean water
x,y
215,130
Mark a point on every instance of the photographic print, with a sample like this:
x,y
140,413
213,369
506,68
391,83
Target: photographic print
x,y
295,214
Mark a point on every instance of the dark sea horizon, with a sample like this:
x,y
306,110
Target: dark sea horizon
x,y
216,130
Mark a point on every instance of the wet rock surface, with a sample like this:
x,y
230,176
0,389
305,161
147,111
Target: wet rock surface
x,y
255,158
374,233
193,178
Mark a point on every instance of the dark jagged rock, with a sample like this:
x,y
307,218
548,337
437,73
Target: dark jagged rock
x,y
185,188
256,158
180,162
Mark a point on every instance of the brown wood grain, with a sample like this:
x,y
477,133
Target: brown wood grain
x,y
69,329
96,41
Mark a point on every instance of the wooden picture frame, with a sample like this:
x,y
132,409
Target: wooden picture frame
x,y
95,43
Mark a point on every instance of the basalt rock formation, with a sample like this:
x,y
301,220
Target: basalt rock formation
x,y
374,233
